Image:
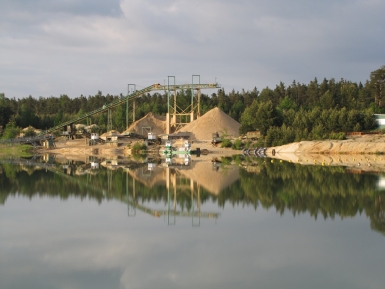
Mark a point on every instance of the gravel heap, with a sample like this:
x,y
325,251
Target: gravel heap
x,y
156,122
202,128
212,121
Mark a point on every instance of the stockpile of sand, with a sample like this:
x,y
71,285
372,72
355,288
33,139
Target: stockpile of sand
x,y
156,122
212,121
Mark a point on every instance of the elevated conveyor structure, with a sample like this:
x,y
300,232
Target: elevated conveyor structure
x,y
107,107
130,199
130,97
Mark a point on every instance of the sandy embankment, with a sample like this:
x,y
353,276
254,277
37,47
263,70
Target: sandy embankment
x,y
359,152
78,149
363,153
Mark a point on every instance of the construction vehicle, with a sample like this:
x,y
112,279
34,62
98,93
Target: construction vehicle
x,y
133,135
152,139
216,139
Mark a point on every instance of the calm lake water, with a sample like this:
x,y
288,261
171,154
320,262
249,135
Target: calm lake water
x,y
242,223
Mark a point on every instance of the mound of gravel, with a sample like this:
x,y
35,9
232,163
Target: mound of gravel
x,y
212,121
157,124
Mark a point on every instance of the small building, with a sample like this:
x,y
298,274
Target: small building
x,y
94,136
380,120
180,135
151,136
94,166
48,143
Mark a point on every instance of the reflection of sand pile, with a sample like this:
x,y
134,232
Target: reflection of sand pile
x,y
149,178
156,122
213,121
200,172
212,180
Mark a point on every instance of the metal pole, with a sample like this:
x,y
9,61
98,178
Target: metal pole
x,y
168,92
192,91
128,93
133,104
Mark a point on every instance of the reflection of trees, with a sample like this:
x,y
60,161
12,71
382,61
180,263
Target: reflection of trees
x,y
325,191
377,216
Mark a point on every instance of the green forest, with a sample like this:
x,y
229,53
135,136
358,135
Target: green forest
x,y
317,110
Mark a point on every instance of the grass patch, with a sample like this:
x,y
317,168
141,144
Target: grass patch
x,y
16,150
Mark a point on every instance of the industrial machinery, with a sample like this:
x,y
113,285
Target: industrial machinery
x,y
184,152
216,139
152,139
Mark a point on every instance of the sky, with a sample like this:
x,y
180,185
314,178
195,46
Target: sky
x,y
79,47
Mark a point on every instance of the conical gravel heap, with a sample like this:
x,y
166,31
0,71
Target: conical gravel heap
x,y
212,121
156,122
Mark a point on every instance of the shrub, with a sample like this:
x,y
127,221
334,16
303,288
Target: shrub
x,y
226,143
138,147
237,145
29,132
337,135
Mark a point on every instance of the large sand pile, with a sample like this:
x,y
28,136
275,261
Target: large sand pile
x,y
141,126
212,121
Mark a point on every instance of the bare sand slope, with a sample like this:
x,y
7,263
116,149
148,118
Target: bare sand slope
x,y
366,144
157,124
73,149
364,153
212,121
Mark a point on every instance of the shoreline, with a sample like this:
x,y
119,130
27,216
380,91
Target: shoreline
x,y
363,153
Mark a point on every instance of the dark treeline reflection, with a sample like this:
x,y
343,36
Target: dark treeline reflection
x,y
287,187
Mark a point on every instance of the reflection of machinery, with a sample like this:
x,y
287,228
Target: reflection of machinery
x,y
178,186
94,166
177,162
151,166
258,152
183,153
169,150
217,163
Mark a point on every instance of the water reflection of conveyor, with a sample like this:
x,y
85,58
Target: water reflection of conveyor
x,y
171,212
200,172
130,200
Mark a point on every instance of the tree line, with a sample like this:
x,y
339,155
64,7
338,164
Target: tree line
x,y
298,111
